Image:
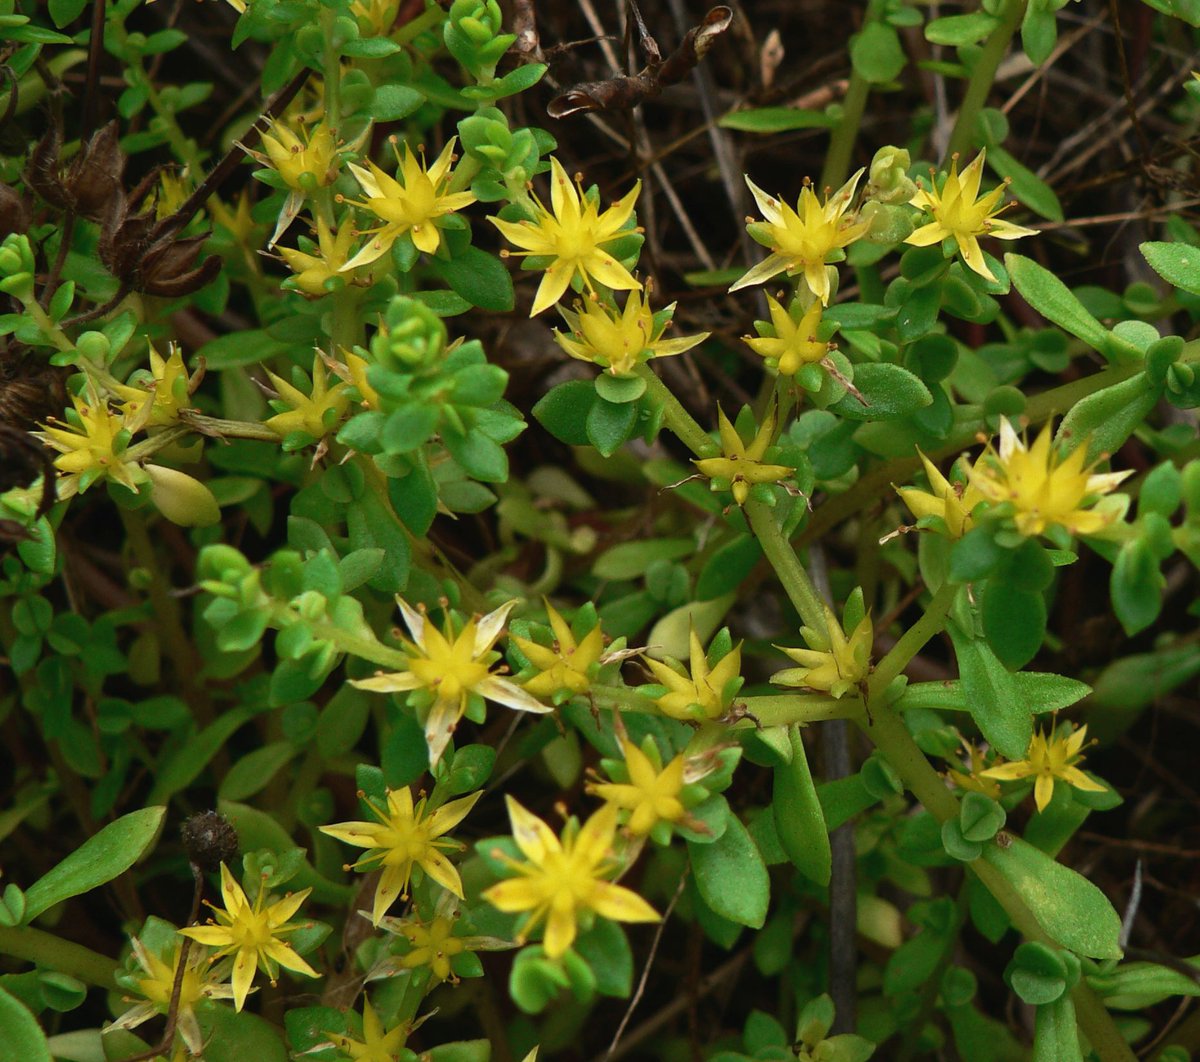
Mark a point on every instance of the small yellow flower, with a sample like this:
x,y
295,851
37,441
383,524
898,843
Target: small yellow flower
x,y
159,405
434,945
704,693
91,443
801,241
568,665
1049,760
403,838
958,212
795,343
306,160
251,935
833,663
379,15
573,232
411,202
563,879
621,341
198,983
377,1044
652,794
972,778
449,669
1045,489
949,502
315,414
356,367
740,465
314,271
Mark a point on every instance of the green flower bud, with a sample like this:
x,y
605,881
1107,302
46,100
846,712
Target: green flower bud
x,y
887,223
412,338
181,498
94,346
889,181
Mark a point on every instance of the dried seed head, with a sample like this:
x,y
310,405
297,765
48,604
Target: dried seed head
x,y
209,840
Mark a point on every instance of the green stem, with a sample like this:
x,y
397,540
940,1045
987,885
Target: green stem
x,y
913,640
783,709
678,419
845,135
982,77
65,956
364,648
794,579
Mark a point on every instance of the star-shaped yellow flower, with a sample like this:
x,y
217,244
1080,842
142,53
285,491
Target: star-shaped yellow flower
x,y
704,693
740,465
314,414
404,838
621,341
412,203
91,442
1045,489
1049,760
560,880
164,391
314,271
573,233
306,160
833,663
568,665
449,669
251,935
801,241
652,794
959,212
949,502
377,1044
795,343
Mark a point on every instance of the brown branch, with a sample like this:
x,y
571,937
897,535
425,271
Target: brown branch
x,y
626,91
528,45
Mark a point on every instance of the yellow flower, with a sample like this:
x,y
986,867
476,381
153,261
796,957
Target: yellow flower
x,y
620,342
740,465
795,343
562,879
376,1044
434,945
959,212
1049,760
1045,490
973,777
306,160
449,670
357,368
568,665
172,387
412,203
197,983
91,443
573,232
949,502
705,693
251,935
833,663
314,414
403,838
652,795
314,271
379,15
804,239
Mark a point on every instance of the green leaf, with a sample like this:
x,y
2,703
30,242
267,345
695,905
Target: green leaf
x,y
479,456
991,696
255,770
799,820
631,559
480,278
64,11
1137,586
518,80
1177,263
1030,189
1108,417
563,411
731,876
1039,33
370,48
875,53
393,102
240,348
99,859
605,948
728,566
1014,622
609,425
1072,911
21,1038
774,120
1056,1034
957,30
888,390
619,389
183,764
979,817
230,1036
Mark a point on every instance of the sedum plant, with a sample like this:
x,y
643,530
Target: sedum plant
x,y
707,644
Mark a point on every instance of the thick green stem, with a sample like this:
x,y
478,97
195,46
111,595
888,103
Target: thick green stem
x,y
678,419
982,77
913,640
48,950
783,709
792,576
